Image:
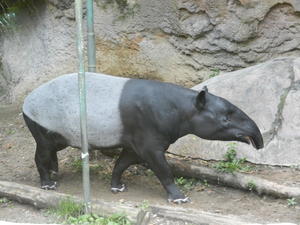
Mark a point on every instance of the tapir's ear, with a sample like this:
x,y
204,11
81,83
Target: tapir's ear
x,y
205,89
201,99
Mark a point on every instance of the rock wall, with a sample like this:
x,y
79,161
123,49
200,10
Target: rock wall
x,y
182,41
179,41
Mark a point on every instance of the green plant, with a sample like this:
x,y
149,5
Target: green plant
x,y
77,165
214,72
231,162
205,183
186,184
68,208
251,186
149,173
9,10
72,213
4,200
230,155
291,202
11,132
91,219
144,205
180,181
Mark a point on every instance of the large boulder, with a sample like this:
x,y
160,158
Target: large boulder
x,y
270,94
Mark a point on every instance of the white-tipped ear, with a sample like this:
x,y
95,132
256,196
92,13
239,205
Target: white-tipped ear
x,y
205,88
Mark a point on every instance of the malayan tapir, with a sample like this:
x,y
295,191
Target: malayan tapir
x,y
143,117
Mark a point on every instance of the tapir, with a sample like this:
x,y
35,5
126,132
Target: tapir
x,y
143,117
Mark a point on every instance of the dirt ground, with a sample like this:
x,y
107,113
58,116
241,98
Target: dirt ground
x,y
17,149
17,213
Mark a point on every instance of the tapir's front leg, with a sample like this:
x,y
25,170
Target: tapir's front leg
x,y
126,159
159,165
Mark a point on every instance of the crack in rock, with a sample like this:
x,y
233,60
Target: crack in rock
x,y
277,123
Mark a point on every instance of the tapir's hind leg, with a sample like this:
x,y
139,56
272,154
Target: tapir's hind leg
x,y
47,145
126,159
43,162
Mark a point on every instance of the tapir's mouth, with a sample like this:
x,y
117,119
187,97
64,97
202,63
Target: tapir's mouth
x,y
250,141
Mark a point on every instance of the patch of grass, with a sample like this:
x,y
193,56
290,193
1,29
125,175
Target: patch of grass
x,y
187,184
231,151
251,186
231,162
77,165
68,208
73,213
91,219
144,205
9,131
4,200
291,202
214,72
205,183
94,168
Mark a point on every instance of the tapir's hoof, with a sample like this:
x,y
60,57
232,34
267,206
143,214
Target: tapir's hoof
x,y
179,200
49,186
118,189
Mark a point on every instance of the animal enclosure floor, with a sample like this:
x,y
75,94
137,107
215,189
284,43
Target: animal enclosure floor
x,y
18,213
17,149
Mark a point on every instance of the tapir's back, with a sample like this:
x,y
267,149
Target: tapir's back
x,y
55,106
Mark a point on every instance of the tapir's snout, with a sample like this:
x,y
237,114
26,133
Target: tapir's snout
x,y
252,136
257,140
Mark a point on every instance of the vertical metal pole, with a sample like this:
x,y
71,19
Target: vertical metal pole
x,y
83,116
91,37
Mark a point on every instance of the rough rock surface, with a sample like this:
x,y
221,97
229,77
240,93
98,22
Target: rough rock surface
x,y
179,41
270,94
41,47
183,40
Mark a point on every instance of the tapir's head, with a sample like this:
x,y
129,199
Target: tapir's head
x,y
218,119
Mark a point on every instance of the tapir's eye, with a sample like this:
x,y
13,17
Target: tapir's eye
x,y
226,119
